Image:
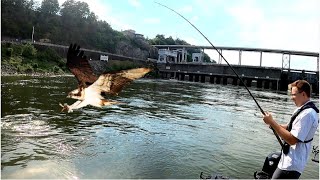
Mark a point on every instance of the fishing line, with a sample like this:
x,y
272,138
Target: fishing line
x,y
278,138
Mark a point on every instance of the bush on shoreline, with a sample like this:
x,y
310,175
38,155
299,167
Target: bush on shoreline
x,y
25,58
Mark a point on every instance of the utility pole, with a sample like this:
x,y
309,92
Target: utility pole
x,y
32,34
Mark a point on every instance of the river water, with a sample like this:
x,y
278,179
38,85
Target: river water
x,y
163,129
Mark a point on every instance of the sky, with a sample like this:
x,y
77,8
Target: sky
x,y
269,24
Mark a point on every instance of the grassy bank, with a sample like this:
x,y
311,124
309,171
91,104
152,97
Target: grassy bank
x,y
24,58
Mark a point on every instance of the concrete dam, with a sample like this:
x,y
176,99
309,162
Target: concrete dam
x,y
260,77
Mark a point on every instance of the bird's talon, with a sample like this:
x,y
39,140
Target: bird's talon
x,y
65,107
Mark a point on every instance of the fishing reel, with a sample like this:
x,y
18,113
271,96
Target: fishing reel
x,y
269,166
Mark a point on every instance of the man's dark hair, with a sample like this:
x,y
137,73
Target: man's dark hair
x,y
302,86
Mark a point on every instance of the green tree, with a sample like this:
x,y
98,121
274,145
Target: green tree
x,y
73,22
75,10
50,7
77,20
17,18
160,40
47,20
170,40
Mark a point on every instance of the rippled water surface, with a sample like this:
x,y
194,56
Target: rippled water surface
x,y
164,129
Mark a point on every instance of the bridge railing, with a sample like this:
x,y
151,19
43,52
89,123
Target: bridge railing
x,y
286,54
279,51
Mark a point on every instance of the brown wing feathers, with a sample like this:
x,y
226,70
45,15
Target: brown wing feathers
x,y
79,66
111,83
123,78
118,84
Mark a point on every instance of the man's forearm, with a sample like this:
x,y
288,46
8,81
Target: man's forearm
x,y
284,126
284,133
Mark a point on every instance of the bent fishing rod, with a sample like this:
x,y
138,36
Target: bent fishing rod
x,y
277,136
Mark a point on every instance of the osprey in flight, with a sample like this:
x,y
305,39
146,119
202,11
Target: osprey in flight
x,y
91,86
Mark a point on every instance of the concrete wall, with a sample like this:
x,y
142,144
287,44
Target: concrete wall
x,y
221,69
261,77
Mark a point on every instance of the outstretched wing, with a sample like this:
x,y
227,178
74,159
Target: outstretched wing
x,y
79,66
113,83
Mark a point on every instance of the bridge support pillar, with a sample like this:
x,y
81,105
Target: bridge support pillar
x,y
266,84
259,83
240,82
207,79
218,80
203,78
212,79
186,77
162,75
248,82
196,79
274,85
190,77
225,80
167,75
182,77
235,81
284,81
315,88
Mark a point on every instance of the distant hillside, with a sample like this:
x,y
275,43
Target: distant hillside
x,y
73,22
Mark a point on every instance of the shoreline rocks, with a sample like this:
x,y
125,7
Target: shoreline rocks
x,y
15,73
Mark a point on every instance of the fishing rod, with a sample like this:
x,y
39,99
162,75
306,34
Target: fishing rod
x,y
278,138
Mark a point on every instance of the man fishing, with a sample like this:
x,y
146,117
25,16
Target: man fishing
x,y
297,134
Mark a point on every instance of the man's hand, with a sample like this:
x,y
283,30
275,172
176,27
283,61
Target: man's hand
x,y
267,118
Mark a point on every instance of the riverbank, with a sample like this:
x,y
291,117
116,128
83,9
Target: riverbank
x,y
5,71
35,74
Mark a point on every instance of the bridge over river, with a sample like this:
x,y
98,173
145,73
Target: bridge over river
x,y
276,78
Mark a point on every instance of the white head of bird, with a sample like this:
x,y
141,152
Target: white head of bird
x,y
76,94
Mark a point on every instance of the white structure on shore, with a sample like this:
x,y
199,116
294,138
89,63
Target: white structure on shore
x,y
178,56
167,56
197,57
172,56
